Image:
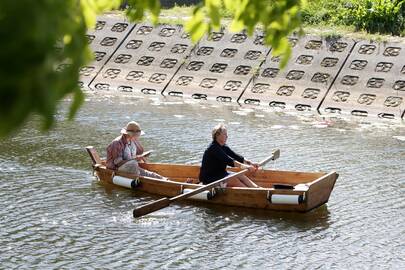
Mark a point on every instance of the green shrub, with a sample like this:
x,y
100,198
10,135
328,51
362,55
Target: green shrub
x,y
320,11
374,16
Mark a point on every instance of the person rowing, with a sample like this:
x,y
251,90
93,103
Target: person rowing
x,y
218,156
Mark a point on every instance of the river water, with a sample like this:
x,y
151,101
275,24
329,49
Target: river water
x,y
55,215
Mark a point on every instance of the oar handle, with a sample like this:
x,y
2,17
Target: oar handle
x,y
162,203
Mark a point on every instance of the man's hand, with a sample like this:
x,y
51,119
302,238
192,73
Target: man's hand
x,y
252,168
255,165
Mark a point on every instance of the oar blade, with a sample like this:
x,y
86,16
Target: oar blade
x,y
151,207
276,154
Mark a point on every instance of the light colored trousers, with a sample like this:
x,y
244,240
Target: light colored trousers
x,y
133,167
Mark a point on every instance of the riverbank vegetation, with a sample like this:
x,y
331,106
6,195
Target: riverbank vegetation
x,y
374,17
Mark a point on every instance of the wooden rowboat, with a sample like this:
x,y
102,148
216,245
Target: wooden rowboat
x,y
282,190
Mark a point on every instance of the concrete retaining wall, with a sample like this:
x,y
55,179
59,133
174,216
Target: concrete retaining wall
x,y
338,76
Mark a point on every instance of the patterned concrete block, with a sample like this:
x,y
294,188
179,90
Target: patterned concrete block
x,y
219,67
146,61
372,82
328,75
104,40
310,72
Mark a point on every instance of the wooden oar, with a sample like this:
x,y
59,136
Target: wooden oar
x,y
162,203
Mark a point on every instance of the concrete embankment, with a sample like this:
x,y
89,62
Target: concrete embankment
x,y
328,75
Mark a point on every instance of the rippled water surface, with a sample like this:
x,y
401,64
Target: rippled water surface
x,y
54,214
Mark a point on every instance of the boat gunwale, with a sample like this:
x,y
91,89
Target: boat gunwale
x,y
192,185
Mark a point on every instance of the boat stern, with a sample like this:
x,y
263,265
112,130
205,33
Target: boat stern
x,y
319,190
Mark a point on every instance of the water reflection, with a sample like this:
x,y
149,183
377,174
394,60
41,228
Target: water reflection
x,y
301,221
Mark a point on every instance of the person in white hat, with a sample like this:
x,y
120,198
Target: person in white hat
x,y
125,151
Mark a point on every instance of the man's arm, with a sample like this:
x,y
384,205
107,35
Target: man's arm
x,y
219,153
232,154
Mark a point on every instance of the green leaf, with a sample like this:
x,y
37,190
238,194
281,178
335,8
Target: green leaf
x,y
285,57
281,46
42,36
231,5
236,26
78,100
196,25
213,12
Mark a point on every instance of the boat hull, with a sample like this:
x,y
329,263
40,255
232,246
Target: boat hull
x,y
283,190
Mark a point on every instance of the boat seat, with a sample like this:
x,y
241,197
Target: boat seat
x,y
94,155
